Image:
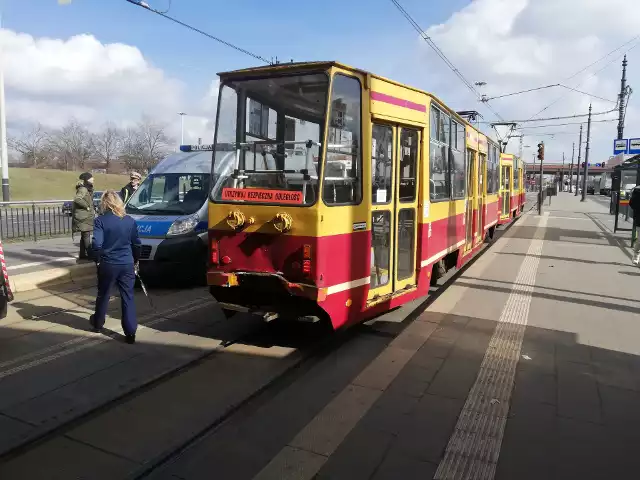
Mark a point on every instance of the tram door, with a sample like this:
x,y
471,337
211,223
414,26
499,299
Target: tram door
x,y
482,176
395,152
505,190
472,189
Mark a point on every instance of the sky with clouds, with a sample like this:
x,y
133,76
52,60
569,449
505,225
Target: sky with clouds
x,y
99,60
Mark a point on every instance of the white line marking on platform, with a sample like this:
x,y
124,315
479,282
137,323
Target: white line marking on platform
x,y
474,447
37,264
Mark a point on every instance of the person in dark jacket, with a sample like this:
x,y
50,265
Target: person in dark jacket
x,y
116,251
634,203
83,213
130,188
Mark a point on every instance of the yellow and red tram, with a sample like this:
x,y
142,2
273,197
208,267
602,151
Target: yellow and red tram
x,y
344,193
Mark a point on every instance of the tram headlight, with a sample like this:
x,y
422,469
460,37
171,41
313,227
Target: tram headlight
x,y
183,225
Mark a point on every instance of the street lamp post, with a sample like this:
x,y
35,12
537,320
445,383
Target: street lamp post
x,y
579,166
585,174
3,140
4,154
182,114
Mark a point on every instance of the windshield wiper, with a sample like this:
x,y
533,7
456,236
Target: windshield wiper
x,y
166,212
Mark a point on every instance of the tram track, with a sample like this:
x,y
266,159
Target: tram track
x,y
302,361
305,364
57,351
40,357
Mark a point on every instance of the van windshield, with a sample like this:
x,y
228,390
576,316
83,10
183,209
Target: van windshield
x,y
170,194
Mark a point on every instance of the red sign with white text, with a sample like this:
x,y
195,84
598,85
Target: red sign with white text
x,y
263,196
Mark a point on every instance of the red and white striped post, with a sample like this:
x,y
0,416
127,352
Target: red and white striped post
x,y
7,285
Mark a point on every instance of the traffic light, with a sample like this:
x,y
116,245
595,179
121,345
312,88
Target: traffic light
x,y
603,164
541,151
582,164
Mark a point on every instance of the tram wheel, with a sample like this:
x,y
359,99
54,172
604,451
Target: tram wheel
x,y
488,237
439,271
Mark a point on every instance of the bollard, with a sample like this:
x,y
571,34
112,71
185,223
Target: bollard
x,y
6,285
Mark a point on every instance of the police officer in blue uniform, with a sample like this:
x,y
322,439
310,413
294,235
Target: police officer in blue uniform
x,y
116,250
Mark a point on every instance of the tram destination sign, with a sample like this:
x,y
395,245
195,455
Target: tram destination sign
x,y
261,195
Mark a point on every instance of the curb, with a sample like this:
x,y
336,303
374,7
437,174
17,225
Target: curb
x,y
53,276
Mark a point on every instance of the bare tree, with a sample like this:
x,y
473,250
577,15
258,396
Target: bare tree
x,y
107,144
154,140
132,149
32,146
71,146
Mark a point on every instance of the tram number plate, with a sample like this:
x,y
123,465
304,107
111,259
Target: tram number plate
x,y
359,226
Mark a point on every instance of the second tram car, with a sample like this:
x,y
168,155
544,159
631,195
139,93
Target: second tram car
x,y
349,194
512,187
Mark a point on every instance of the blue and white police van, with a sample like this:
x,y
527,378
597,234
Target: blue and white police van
x,y
171,206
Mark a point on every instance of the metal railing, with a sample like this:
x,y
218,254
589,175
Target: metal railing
x,y
34,219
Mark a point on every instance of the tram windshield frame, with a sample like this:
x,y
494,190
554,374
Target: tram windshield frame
x,y
272,128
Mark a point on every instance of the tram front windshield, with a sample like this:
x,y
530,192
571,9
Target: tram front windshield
x,y
271,129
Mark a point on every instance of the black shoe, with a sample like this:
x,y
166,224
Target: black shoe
x,y
92,321
130,339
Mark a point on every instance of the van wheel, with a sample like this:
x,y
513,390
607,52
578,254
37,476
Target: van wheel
x,y
228,313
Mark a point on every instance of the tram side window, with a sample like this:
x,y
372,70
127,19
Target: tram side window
x,y
458,170
516,175
496,170
407,176
439,173
492,170
343,166
380,248
381,163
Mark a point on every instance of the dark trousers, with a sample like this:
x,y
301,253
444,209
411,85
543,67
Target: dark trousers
x,y
85,244
124,277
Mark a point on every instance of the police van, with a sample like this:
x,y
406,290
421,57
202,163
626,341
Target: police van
x,y
171,206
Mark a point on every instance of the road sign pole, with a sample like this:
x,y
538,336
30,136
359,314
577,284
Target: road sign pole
x,y
573,152
586,160
540,197
579,157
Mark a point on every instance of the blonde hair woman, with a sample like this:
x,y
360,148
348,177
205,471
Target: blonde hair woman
x,y
116,250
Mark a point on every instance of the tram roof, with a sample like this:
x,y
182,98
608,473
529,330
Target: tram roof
x,y
324,65
306,66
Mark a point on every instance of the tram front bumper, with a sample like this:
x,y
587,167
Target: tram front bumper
x,y
235,279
